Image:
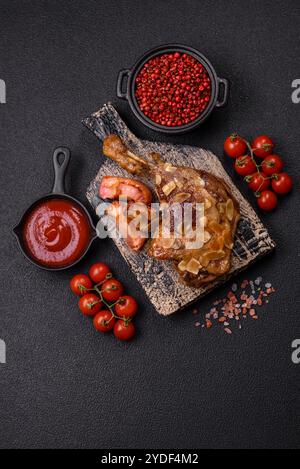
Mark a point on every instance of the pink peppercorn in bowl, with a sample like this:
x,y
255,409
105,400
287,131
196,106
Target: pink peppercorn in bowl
x,y
172,89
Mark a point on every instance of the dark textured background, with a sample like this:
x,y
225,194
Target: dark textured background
x,y
175,386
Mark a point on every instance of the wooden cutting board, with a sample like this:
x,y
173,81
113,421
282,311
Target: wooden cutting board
x,y
158,278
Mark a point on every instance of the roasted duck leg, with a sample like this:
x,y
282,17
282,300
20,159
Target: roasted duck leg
x,y
176,186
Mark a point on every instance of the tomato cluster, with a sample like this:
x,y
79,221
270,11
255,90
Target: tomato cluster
x,y
266,178
102,297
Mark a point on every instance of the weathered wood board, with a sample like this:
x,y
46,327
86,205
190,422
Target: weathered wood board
x,y
158,278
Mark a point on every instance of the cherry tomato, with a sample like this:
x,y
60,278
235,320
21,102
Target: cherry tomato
x,y
80,283
126,307
235,146
262,146
272,164
90,304
267,201
282,183
104,321
112,290
98,272
244,165
124,330
258,182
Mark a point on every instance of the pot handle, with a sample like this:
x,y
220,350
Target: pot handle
x,y
122,74
60,169
223,101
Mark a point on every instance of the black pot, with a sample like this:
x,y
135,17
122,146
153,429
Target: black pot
x,y
128,91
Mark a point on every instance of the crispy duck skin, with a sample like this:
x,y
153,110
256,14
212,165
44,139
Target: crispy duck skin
x,y
114,148
180,185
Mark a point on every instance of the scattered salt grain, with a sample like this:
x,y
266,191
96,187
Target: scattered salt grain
x,y
238,304
258,281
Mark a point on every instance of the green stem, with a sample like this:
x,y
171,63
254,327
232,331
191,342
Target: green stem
x,y
108,277
252,155
110,306
84,289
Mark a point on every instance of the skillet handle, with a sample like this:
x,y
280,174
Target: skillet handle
x,y
60,169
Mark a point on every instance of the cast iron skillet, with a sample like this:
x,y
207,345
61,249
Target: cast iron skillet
x,y
129,88
58,192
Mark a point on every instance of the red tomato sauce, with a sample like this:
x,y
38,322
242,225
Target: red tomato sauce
x,y
56,232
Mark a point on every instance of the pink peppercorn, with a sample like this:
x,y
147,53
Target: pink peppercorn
x,y
173,89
